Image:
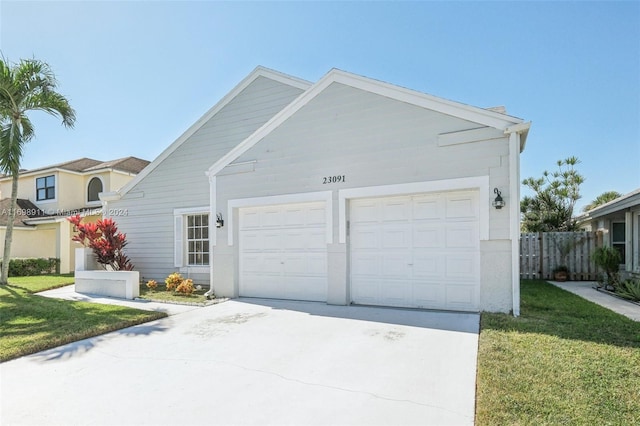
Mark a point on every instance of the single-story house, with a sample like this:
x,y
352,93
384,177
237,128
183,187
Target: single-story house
x,y
48,195
346,190
617,224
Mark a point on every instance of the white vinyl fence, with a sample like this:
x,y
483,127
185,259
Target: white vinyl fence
x,y
541,252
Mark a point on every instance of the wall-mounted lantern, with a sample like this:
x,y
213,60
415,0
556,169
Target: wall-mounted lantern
x,y
219,221
498,203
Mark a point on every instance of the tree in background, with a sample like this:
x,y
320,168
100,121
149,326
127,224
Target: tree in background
x,y
27,86
556,194
601,199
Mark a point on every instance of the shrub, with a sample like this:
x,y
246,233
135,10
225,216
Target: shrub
x,y
629,289
152,284
33,266
173,281
185,287
105,240
608,259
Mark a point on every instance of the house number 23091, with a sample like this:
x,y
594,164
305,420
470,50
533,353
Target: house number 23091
x,y
333,179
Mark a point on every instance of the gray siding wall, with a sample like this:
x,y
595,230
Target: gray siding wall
x,y
180,181
371,140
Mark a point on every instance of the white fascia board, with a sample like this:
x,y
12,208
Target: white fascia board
x,y
445,106
257,72
627,201
465,112
522,129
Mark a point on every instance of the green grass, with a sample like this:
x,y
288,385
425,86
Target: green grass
x,y
161,295
30,323
565,360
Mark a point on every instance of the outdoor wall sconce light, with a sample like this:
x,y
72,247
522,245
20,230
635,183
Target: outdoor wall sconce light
x,y
219,221
498,203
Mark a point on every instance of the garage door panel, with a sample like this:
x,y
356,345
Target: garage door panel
x,y
250,241
316,216
461,236
365,265
416,251
367,238
461,266
365,291
428,236
427,209
270,218
396,210
364,212
395,236
461,295
460,207
394,265
250,219
428,265
428,294
395,293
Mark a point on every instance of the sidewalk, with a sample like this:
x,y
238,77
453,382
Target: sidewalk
x,y
69,293
586,290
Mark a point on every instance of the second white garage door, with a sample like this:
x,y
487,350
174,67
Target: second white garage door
x,y
283,251
419,251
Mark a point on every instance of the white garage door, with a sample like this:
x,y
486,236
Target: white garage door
x,y
283,251
417,251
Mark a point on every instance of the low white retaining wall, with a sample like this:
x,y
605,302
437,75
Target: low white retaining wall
x,y
121,284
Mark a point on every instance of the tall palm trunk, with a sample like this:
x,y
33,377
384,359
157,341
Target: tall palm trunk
x,y
4,277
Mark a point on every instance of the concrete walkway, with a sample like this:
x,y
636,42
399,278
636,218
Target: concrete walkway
x,y
69,293
586,290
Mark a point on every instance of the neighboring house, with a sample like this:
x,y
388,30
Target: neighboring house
x,y
618,225
48,195
347,190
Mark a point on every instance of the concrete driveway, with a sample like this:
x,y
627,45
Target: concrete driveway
x,y
253,361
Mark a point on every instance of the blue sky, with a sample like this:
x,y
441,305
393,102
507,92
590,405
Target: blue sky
x,y
140,73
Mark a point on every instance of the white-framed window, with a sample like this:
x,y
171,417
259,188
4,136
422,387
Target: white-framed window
x,y
94,189
618,239
192,233
197,239
46,188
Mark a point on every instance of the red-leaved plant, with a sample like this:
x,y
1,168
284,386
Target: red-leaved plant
x,y
106,242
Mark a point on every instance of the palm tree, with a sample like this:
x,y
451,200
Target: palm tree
x,y
26,86
601,199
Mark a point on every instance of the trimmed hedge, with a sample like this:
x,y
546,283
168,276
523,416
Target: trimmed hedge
x,y
33,266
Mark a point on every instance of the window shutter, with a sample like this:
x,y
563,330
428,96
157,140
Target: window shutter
x,y
177,241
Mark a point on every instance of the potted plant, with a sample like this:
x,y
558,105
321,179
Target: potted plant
x,y
561,273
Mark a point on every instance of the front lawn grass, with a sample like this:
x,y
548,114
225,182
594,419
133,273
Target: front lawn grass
x,y
565,361
30,323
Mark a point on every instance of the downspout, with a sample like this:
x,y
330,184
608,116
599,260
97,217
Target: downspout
x,y
212,241
517,136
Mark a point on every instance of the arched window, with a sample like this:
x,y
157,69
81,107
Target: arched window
x,y
95,187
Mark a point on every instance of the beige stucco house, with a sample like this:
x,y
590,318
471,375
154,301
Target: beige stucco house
x,y
48,195
347,190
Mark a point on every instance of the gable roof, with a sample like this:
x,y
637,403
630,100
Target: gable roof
x,y
132,165
632,199
486,117
255,74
